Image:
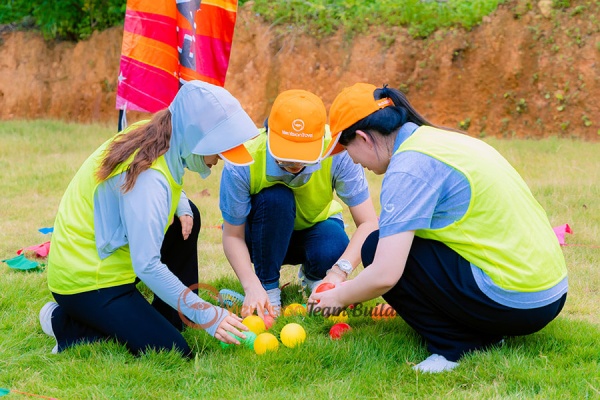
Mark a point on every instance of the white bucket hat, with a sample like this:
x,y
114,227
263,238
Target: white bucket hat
x,y
211,121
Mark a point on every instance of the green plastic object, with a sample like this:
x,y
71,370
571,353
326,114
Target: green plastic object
x,y
20,262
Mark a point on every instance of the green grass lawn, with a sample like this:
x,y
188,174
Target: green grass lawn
x,y
38,159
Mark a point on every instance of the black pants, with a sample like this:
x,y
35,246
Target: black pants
x,y
439,298
122,313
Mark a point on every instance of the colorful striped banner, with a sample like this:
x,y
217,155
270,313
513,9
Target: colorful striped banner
x,y
167,43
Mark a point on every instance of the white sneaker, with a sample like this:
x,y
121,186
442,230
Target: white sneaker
x,y
275,300
46,321
305,282
435,363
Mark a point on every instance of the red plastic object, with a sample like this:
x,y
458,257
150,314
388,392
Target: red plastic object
x,y
324,286
338,330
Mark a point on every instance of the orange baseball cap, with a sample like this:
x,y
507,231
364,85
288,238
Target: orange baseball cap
x,y
239,155
297,127
350,106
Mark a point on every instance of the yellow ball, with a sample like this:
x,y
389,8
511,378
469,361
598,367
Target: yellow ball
x,y
292,335
255,324
343,317
294,309
265,342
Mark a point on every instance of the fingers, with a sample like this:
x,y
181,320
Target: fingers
x,y
260,310
231,330
187,222
248,309
315,297
238,324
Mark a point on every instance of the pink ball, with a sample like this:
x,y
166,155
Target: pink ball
x,y
269,321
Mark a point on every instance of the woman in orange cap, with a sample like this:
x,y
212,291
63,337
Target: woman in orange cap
x,y
117,224
281,209
464,253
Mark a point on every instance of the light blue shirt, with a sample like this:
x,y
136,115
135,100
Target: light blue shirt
x,y
421,192
348,181
138,218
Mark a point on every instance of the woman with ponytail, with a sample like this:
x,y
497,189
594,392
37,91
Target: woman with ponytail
x,y
464,252
124,218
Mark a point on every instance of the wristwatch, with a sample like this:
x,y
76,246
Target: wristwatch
x,y
345,266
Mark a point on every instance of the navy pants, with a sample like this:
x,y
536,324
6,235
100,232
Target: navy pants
x,y
273,242
122,313
439,298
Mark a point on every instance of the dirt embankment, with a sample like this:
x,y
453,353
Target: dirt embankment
x,y
523,73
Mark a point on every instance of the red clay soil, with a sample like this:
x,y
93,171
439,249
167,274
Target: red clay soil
x,y
527,73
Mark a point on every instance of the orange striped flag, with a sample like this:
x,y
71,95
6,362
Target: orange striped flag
x,y
167,43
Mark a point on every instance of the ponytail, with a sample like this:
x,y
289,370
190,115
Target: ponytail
x,y
148,142
386,120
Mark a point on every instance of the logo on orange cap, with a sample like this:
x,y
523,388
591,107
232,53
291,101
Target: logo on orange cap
x,y
297,127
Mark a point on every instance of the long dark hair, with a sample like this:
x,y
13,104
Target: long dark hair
x,y
150,140
386,120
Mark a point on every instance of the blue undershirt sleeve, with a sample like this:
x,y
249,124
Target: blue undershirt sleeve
x,y
349,180
234,197
183,207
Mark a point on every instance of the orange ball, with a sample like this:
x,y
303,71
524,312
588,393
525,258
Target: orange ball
x,y
383,311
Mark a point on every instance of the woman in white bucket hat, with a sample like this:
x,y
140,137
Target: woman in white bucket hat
x,y
116,225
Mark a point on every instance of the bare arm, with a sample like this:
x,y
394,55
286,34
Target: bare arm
x,y
377,279
234,246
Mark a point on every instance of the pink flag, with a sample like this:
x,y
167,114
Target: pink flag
x,y
560,232
41,250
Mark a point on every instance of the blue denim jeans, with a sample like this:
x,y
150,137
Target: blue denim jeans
x,y
273,242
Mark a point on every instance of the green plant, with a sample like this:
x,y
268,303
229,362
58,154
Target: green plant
x,y
580,9
422,18
66,19
586,120
561,3
14,11
521,106
560,96
464,124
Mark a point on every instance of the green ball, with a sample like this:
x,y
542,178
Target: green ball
x,y
249,341
224,345
227,345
